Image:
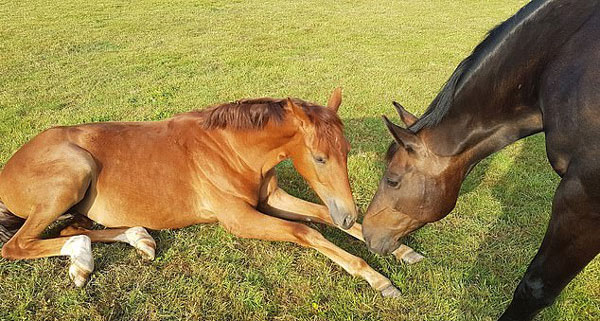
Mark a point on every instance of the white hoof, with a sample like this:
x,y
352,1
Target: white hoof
x,y
140,239
79,250
391,292
413,257
408,255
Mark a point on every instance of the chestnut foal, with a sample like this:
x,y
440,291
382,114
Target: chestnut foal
x,y
213,165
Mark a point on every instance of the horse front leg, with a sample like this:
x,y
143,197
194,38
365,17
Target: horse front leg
x,y
245,221
571,242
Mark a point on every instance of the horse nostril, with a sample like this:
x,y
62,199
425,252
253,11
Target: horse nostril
x,y
348,221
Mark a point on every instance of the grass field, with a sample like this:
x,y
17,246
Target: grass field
x,y
73,61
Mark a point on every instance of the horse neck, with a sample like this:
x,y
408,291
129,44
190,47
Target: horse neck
x,y
468,139
496,102
485,119
259,150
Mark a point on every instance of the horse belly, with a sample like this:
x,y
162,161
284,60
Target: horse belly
x,y
163,219
153,202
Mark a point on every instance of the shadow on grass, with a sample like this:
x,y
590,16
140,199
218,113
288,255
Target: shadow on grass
x,y
514,237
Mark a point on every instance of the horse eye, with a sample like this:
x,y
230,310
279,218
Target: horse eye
x,y
320,159
391,182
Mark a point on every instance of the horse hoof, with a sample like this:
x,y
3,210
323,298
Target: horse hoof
x,y
141,240
146,250
79,250
407,255
391,292
79,274
413,257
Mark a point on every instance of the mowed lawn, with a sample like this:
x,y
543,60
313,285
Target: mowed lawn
x,y
73,61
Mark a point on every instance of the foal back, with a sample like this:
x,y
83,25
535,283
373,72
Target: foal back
x,y
114,173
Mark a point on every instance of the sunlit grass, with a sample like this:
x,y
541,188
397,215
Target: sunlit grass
x,y
72,61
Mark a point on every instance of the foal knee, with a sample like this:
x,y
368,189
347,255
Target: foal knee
x,y
8,251
306,236
358,265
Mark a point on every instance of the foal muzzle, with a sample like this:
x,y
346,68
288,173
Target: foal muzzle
x,y
341,216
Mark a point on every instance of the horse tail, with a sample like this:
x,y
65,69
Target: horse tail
x,y
9,223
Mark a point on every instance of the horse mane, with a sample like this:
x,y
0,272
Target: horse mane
x,y
256,113
242,114
494,40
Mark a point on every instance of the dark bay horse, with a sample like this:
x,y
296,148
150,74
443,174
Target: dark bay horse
x,y
213,165
537,71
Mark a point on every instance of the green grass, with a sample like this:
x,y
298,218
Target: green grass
x,y
73,61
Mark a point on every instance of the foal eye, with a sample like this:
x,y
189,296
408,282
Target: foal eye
x,y
320,159
392,182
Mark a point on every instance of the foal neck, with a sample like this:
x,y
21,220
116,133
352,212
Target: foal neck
x,y
262,149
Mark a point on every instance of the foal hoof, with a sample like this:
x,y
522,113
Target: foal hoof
x,y
79,250
407,255
391,292
79,273
413,257
141,240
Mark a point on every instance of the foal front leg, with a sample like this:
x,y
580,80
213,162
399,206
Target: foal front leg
x,y
245,221
281,204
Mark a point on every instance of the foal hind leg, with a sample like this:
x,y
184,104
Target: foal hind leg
x,y
137,237
26,244
281,204
245,221
52,187
571,242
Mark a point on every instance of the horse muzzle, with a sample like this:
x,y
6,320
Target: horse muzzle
x,y
382,244
341,216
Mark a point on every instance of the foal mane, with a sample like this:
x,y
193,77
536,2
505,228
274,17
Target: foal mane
x,y
255,114
242,114
496,39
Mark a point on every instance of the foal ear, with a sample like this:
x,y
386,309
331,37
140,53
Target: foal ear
x,y
407,118
297,111
403,136
336,99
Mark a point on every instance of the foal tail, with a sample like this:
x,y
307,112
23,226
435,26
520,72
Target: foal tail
x,y
9,223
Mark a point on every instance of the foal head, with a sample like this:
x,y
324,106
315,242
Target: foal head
x,y
319,153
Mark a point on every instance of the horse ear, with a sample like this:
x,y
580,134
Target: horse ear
x,y
297,111
407,118
403,136
336,99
